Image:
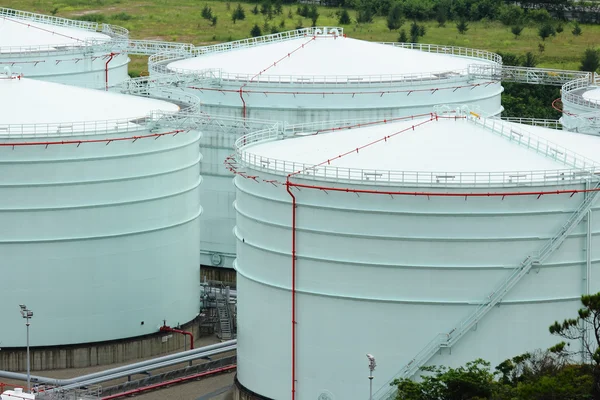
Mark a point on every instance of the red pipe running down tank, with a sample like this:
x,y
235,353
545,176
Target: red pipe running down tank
x,y
110,57
293,289
165,328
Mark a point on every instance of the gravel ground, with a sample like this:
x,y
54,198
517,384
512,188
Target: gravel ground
x,y
212,388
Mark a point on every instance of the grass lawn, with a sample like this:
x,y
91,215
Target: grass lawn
x,y
181,21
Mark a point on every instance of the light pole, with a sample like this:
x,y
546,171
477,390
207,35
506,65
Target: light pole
x,y
372,365
27,314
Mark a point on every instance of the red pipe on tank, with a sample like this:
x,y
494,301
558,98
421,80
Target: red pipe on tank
x,y
243,102
165,328
110,57
293,289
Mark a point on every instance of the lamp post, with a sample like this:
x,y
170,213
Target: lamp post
x,y
372,365
27,314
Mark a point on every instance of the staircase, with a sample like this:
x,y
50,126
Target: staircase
x,y
444,340
225,320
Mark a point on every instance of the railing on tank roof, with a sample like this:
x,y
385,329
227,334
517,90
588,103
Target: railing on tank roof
x,y
450,50
445,179
273,38
48,19
118,36
572,92
544,123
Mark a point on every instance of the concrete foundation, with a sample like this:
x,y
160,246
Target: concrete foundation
x,y
103,353
241,393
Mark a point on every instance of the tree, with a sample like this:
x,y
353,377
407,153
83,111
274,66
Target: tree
x,y
255,31
238,13
516,30
473,381
364,15
344,17
416,31
530,60
462,26
402,38
313,14
255,10
546,30
206,12
590,60
394,18
559,28
576,30
213,20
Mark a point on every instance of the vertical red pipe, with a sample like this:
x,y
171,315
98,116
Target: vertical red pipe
x,y
287,185
110,57
243,103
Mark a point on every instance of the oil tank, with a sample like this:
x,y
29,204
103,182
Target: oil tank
x,y
62,50
99,209
397,239
315,74
581,105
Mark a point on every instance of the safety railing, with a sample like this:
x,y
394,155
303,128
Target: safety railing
x,y
582,167
544,123
572,92
541,76
48,19
449,50
535,143
155,47
273,38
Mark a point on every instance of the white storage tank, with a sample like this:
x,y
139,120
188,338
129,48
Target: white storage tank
x,y
99,209
61,50
581,105
316,74
396,239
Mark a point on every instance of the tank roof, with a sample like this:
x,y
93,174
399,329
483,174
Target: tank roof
x,y
17,35
444,145
325,55
592,95
28,102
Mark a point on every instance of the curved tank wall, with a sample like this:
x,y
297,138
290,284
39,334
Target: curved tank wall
x,y
61,50
99,226
581,107
383,274
341,92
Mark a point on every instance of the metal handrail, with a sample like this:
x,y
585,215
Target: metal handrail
x,y
450,50
582,167
545,123
571,93
118,36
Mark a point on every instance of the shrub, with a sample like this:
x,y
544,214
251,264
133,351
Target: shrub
x,y
238,13
344,17
394,18
546,30
206,12
462,26
255,31
576,30
590,60
402,38
516,30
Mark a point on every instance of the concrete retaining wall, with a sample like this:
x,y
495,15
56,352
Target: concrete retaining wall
x,y
103,353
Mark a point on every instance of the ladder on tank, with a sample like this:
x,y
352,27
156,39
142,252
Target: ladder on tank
x,y
225,321
445,340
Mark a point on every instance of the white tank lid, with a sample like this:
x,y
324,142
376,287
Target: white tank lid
x,y
326,56
29,101
592,95
16,394
446,145
18,35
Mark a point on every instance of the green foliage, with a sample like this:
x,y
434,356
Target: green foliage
x,y
206,12
462,26
122,16
546,30
93,17
416,31
364,16
516,30
213,20
529,101
560,28
576,30
344,17
255,10
394,18
510,14
402,38
313,14
238,13
255,31
539,15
